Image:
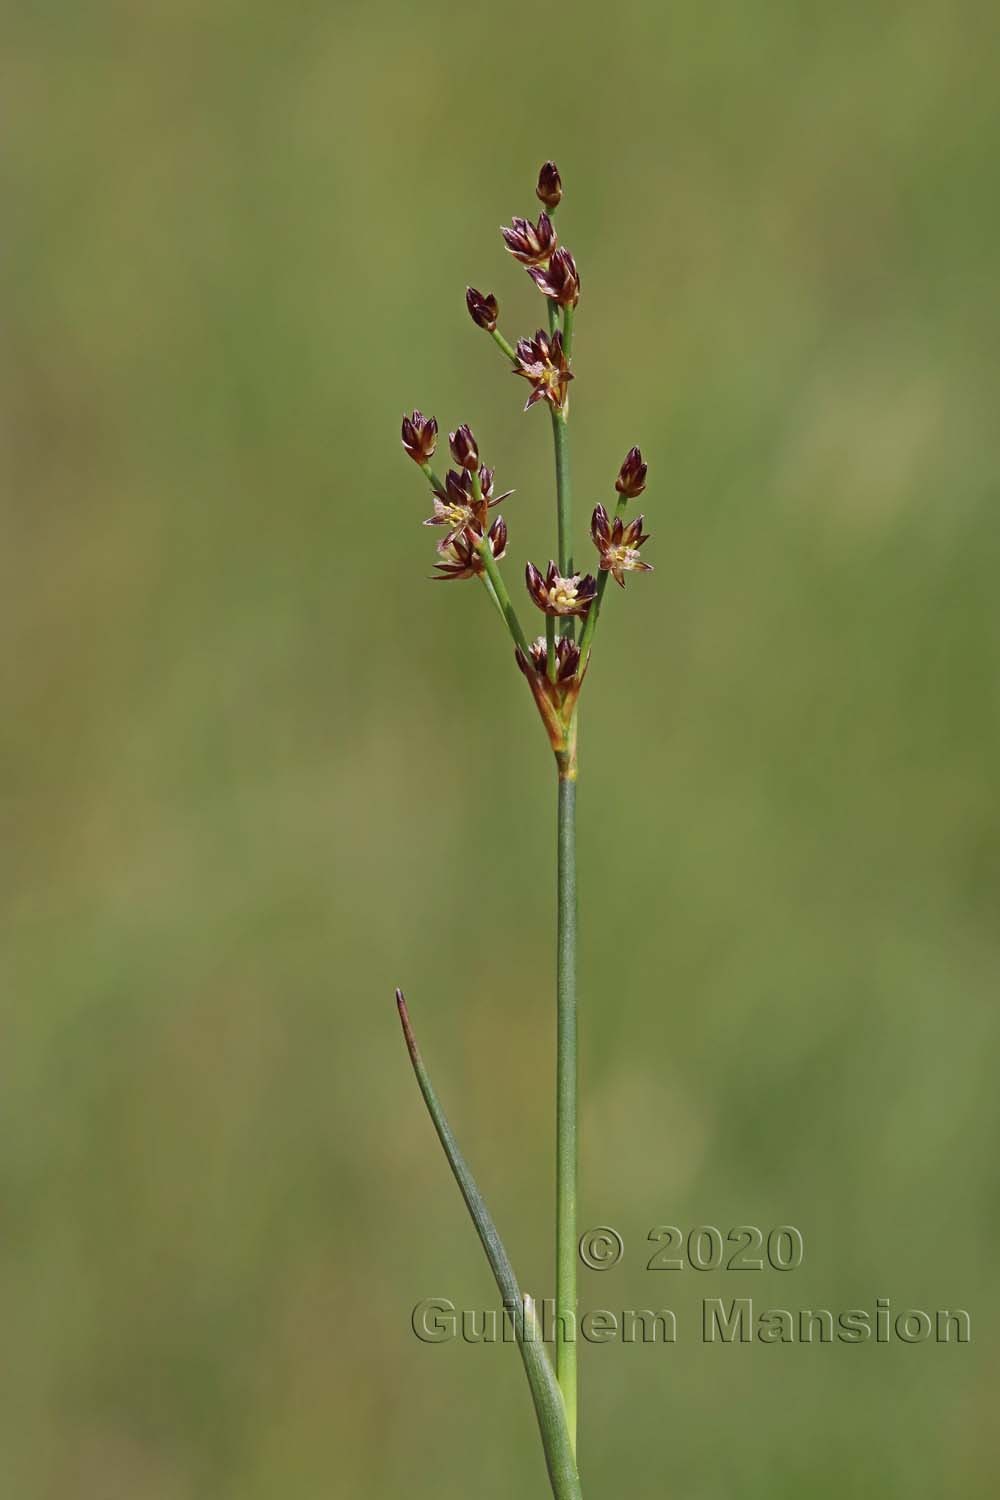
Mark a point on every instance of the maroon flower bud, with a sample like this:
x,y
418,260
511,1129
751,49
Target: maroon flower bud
x,y
542,360
497,537
555,595
464,449
529,243
618,545
486,485
560,280
549,189
483,310
631,479
419,434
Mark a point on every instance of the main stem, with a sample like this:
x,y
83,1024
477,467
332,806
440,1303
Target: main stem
x,y
566,1029
566,1084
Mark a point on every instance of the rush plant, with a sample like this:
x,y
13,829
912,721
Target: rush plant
x,y
555,665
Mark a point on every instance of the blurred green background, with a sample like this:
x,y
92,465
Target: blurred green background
x,y
255,771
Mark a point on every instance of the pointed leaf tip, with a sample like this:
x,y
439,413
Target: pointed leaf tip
x,y
404,1021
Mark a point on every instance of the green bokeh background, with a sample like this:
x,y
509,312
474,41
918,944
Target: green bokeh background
x,y
256,771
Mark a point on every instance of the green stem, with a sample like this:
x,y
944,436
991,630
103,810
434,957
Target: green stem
x,y
564,504
568,315
566,1092
552,1419
550,647
566,1024
491,592
432,479
495,577
502,344
507,609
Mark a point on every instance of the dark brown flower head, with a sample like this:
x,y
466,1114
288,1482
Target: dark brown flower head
x,y
549,189
483,310
531,244
556,595
555,699
459,558
464,448
542,360
619,545
457,506
419,434
567,657
631,479
560,280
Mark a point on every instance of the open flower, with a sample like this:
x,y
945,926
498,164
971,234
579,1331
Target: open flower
x,y
542,360
419,434
631,479
618,545
458,555
560,280
458,507
483,308
531,244
556,595
549,189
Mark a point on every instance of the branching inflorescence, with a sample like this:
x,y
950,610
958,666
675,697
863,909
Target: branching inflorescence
x,y
555,664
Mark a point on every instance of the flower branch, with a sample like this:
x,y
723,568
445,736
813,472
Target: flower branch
x,y
617,544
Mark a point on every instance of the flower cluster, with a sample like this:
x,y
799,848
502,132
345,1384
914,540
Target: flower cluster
x,y
536,246
473,542
462,501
